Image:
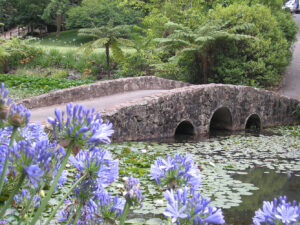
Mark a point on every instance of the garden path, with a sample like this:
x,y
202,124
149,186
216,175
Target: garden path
x,y
100,104
291,82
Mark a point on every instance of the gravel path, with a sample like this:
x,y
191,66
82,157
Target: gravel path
x,y
291,82
102,103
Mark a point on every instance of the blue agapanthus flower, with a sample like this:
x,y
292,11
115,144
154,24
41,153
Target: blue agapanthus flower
x,y
133,193
23,198
175,172
101,209
34,133
34,173
109,207
31,132
187,206
278,211
4,150
38,160
99,164
19,116
79,125
4,102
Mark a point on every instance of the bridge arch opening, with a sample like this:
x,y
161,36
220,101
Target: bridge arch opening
x,y
221,120
253,122
185,128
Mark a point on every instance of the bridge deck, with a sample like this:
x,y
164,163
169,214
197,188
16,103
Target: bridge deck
x,y
100,104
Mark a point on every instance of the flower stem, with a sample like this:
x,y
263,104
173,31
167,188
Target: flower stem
x,y
78,212
125,212
63,199
27,206
11,196
12,137
52,188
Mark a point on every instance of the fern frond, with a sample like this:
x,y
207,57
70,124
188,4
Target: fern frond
x,y
117,52
125,42
100,42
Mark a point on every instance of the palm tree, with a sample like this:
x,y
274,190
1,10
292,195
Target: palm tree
x,y
110,37
200,43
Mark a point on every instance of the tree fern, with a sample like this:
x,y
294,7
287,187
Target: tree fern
x,y
109,36
200,43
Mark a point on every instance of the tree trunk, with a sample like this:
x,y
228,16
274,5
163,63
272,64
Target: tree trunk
x,y
198,69
31,28
107,58
211,62
5,68
204,64
58,24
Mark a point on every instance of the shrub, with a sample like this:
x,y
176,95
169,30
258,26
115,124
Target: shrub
x,y
136,64
262,61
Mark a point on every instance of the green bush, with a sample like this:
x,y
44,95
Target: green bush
x,y
88,65
18,52
136,64
259,62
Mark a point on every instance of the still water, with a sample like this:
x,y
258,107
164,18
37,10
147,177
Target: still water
x,y
239,171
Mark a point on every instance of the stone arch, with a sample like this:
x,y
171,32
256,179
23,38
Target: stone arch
x,y
221,119
185,127
253,121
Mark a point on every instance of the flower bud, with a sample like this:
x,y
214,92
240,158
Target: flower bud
x,y
42,193
16,120
4,110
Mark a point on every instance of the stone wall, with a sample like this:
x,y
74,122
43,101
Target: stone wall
x,y
158,116
101,88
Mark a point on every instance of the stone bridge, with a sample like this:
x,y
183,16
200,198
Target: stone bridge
x,y
187,109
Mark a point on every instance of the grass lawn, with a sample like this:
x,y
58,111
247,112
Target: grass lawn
x,y
65,49
67,41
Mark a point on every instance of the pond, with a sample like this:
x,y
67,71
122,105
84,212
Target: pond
x,y
239,171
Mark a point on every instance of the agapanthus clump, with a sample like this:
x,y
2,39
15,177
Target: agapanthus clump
x,y
279,211
175,172
80,128
187,206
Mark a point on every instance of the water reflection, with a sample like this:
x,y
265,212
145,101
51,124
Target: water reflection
x,y
270,184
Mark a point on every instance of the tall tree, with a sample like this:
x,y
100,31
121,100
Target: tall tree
x,y
199,43
29,13
97,13
7,12
109,36
56,10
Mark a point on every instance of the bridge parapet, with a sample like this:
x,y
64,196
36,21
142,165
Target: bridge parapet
x,y
100,89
